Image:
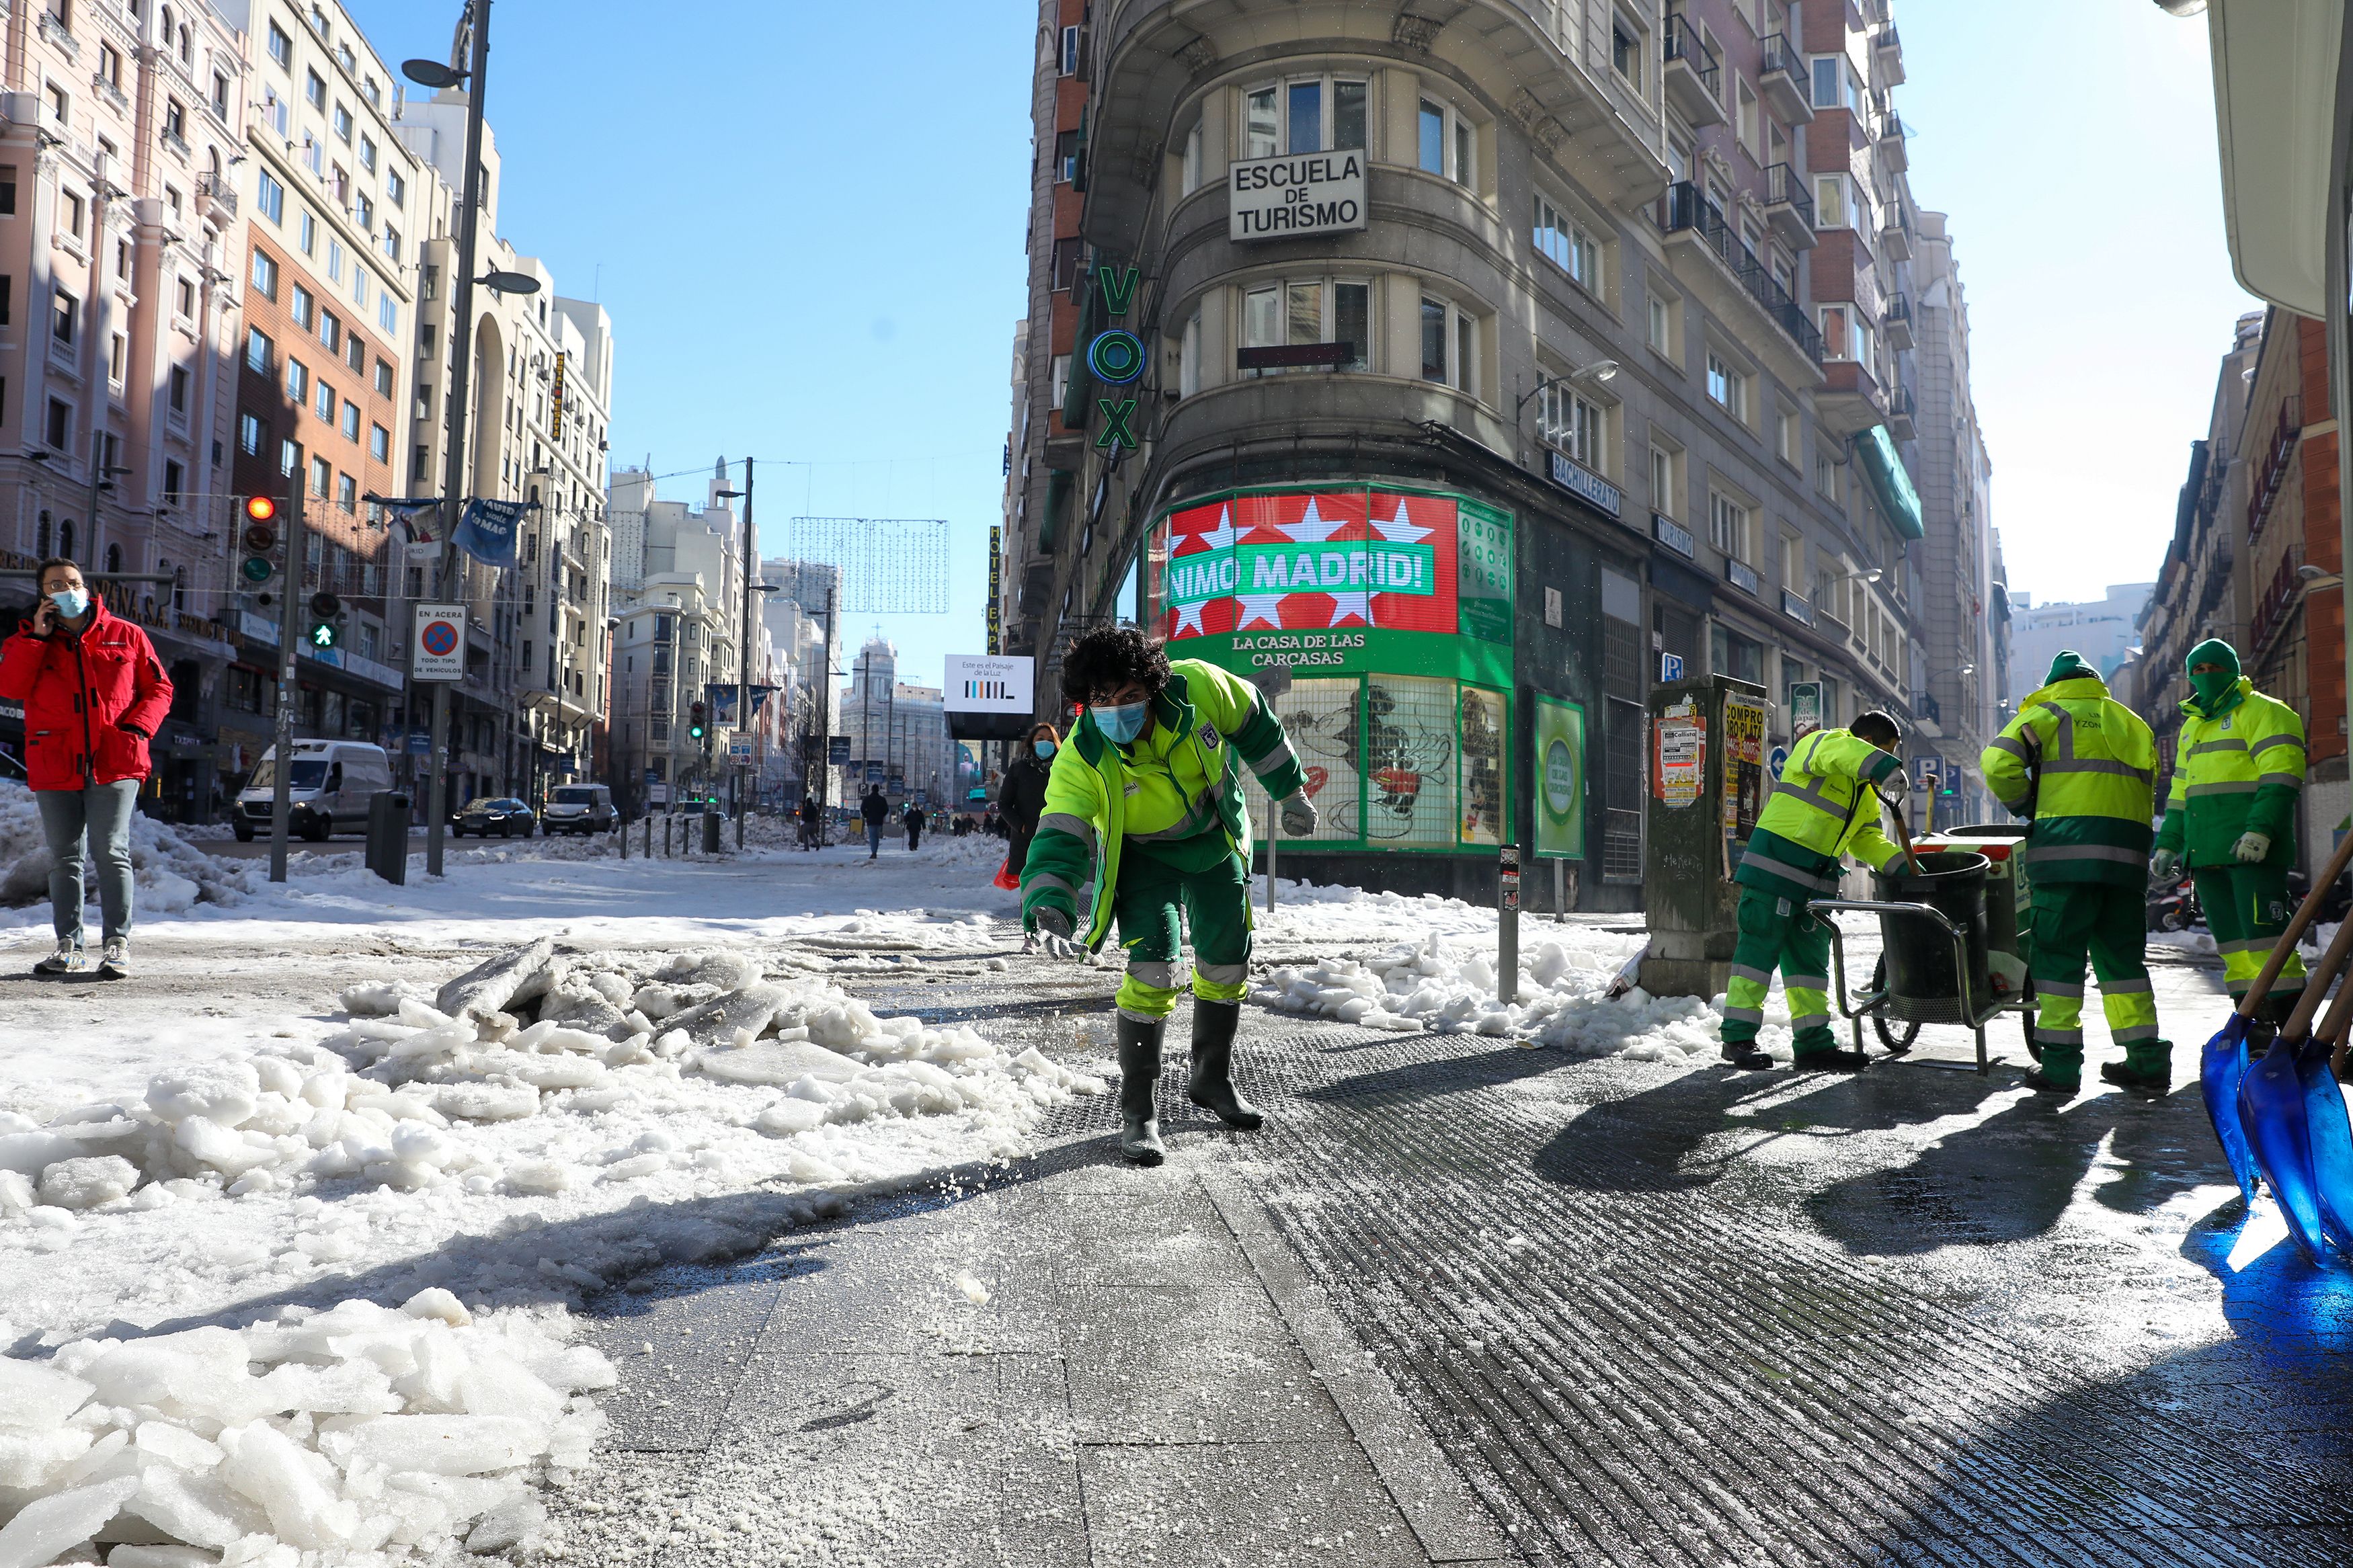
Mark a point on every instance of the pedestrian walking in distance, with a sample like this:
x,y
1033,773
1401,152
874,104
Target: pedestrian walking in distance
x,y
1145,802
2230,816
810,818
94,694
913,820
2084,766
874,811
1021,796
1825,807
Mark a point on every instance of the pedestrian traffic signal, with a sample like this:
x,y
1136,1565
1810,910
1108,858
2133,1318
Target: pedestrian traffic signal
x,y
694,716
325,606
324,633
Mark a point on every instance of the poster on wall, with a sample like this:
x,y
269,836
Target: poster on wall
x,y
1320,718
1483,553
1484,731
1558,777
1678,756
1743,774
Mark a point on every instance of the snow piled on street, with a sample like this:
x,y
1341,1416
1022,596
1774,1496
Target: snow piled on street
x,y
170,875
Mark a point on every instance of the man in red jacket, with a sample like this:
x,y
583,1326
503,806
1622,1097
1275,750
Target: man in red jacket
x,y
94,693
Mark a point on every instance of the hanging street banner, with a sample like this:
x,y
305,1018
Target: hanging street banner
x,y
1285,197
438,650
555,398
1559,776
487,530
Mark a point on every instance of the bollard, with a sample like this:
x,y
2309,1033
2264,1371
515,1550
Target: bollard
x,y
1270,854
1507,926
1560,893
649,836
710,832
621,832
667,853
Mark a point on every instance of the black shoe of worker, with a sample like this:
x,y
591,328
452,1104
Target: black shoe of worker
x,y
2041,1085
2156,1085
1831,1061
1743,1056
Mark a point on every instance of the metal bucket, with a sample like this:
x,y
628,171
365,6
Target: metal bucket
x,y
1922,983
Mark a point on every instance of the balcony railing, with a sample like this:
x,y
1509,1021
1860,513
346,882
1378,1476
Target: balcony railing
x,y
2271,611
2274,473
1779,56
1784,186
1685,209
212,187
1685,44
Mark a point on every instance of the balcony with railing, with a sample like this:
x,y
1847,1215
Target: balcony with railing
x,y
1888,136
1781,72
218,190
1895,230
2286,433
1896,321
1693,76
1902,421
2276,607
1686,213
1888,50
1788,208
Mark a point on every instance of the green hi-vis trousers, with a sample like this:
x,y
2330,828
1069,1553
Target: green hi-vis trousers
x,y
1214,903
1778,933
2110,921
2246,908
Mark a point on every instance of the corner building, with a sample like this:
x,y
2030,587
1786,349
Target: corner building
x,y
1482,381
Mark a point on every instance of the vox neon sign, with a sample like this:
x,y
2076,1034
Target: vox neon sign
x,y
1116,357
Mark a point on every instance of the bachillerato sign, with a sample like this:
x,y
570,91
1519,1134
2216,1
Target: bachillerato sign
x,y
1299,193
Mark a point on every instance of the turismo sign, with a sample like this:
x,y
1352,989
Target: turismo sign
x,y
1306,193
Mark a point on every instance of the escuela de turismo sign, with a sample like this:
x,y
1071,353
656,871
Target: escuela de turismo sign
x,y
1306,193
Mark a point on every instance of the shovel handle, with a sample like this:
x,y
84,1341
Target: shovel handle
x,y
2315,987
1903,831
2306,914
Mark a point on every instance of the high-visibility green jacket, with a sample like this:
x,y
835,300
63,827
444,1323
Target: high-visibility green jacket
x,y
1824,806
2084,767
1176,787
2238,771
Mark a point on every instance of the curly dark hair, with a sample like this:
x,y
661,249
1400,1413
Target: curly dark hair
x,y
1107,659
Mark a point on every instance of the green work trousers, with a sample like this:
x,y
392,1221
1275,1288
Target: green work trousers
x,y
2108,920
1214,903
2246,908
1776,932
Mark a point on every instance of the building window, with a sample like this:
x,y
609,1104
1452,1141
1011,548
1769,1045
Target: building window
x,y
60,105
383,378
1626,51
1573,422
1310,115
1061,377
220,95
1449,338
297,382
331,331
1727,386
347,492
59,432
380,443
265,275
1661,324
175,119
354,352
1747,121
1446,144
1836,85
1065,57
363,212
1785,436
1066,156
176,388
175,480
1310,311
304,306
350,421
314,88
323,475
73,213
281,47
1191,180
62,319
7,190
1188,357
388,313
252,434
1569,245
1846,334
1832,207
257,351
392,242
1727,525
306,233
394,187
1663,485
186,295
269,196
326,403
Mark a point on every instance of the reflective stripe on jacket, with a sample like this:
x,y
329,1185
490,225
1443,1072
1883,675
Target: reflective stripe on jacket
x,y
1822,808
1174,784
2238,773
2084,767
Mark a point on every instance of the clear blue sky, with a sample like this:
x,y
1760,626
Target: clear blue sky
x,y
806,220
2072,143
831,278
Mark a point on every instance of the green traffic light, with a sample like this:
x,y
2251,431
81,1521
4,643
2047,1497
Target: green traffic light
x,y
323,635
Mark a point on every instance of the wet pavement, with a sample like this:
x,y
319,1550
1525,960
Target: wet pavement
x,y
1467,1301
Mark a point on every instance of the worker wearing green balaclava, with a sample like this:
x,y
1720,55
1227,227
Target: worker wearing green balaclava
x,y
2238,768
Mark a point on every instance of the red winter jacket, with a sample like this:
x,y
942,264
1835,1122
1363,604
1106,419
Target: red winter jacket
x,y
90,701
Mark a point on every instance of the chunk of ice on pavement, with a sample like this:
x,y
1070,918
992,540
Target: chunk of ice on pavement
x,y
195,1506
16,1192
43,1529
86,1182
440,1444
36,1395
160,1557
220,1091
33,1456
788,1117
296,1488
538,1176
178,1444
438,1303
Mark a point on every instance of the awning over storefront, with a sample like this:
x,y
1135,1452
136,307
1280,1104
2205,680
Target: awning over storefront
x,y
1889,482
2275,96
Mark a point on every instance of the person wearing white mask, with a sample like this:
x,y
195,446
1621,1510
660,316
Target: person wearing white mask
x,y
94,694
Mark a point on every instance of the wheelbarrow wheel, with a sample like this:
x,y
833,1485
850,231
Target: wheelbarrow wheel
x,y
2026,1021
1897,1037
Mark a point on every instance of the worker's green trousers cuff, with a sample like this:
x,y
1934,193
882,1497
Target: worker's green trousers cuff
x,y
2064,1064
1153,905
1777,933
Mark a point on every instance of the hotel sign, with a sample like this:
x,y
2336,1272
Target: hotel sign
x,y
1303,194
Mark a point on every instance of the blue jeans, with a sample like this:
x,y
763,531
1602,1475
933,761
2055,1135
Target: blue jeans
x,y
104,812
873,839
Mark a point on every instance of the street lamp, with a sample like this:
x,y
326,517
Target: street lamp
x,y
2314,577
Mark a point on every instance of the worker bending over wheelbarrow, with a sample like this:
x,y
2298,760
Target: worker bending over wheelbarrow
x,y
2084,766
2238,766
1825,806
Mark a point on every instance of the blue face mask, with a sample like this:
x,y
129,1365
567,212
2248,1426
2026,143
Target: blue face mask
x,y
1124,723
1044,748
71,603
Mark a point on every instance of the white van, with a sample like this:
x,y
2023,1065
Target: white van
x,y
329,786
580,809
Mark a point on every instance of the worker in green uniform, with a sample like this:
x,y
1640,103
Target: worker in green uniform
x,y
2238,767
2084,766
1825,806
1144,801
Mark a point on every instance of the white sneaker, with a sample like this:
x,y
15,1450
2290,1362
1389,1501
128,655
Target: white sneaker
x,y
69,959
114,962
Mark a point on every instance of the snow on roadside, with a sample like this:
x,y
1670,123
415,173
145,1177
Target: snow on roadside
x,y
540,1127
170,875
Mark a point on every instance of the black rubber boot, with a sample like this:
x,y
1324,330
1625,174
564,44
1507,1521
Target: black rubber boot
x,y
1210,1084
1744,1056
1139,1073
2121,1074
1831,1061
2041,1085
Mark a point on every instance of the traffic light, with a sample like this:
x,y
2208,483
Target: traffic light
x,y
694,725
261,538
324,633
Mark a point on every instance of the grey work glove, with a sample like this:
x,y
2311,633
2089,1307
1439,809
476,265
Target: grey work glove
x,y
2164,867
1298,814
1053,929
1895,786
2250,847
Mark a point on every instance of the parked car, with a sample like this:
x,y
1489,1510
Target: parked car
x,y
502,814
579,808
331,783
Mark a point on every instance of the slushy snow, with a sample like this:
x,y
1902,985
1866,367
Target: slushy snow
x,y
169,874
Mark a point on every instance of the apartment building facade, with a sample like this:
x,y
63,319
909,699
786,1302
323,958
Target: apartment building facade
x,y
1567,367
120,244
678,594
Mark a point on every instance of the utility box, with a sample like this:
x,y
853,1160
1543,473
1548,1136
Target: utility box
x,y
388,835
1706,786
709,832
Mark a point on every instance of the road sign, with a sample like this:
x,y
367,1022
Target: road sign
x,y
1778,760
1671,667
837,750
1929,768
420,742
437,650
741,747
